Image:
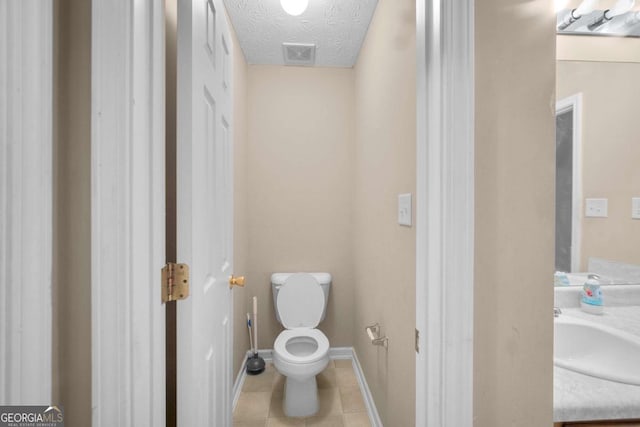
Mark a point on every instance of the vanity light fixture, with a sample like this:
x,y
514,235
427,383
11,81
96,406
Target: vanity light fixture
x,y
294,7
587,6
621,7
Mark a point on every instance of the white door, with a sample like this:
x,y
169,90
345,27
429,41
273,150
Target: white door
x,y
204,214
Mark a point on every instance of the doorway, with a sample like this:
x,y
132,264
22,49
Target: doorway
x,y
455,234
568,184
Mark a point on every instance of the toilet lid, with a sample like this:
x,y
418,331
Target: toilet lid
x,y
300,302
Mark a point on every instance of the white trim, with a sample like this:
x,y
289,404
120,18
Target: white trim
x,y
574,103
239,382
128,213
445,212
267,354
335,353
26,226
341,353
374,417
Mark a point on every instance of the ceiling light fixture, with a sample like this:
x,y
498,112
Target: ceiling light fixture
x,y
621,7
587,6
294,7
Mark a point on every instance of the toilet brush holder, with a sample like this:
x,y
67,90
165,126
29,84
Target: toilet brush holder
x,y
255,364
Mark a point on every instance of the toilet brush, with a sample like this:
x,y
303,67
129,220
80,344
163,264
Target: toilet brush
x,y
255,363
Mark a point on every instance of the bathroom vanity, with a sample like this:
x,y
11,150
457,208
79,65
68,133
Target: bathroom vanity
x,y
580,398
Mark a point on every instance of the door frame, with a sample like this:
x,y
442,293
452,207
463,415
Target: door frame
x,y
445,212
26,191
127,213
573,103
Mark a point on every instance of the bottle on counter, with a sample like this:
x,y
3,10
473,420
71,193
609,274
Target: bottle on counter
x,y
591,299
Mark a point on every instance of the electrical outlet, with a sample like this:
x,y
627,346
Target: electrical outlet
x,y
596,208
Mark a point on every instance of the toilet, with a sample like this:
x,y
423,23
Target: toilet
x,y
301,351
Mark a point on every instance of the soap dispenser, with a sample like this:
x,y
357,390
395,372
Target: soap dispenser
x,y
591,299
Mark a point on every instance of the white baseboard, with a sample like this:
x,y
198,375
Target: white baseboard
x,y
266,354
237,385
335,353
340,353
374,417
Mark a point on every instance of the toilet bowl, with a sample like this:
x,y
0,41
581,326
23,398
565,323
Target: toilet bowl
x,y
300,352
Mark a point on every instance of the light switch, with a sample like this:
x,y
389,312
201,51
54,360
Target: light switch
x,y
596,208
404,209
635,208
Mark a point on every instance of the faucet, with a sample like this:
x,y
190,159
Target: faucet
x,y
556,311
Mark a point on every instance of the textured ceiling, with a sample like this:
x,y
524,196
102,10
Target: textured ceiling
x,y
336,27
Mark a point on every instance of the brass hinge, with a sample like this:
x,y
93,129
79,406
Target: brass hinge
x,y
175,282
417,341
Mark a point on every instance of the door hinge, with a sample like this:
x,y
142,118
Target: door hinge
x,y
417,341
175,282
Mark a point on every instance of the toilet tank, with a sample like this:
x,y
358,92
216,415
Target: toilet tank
x,y
278,279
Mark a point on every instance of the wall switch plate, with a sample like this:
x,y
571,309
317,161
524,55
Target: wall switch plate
x,y
596,208
404,209
635,208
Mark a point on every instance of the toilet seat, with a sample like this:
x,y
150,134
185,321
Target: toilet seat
x,y
280,345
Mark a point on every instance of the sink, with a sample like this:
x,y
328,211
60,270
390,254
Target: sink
x,y
592,349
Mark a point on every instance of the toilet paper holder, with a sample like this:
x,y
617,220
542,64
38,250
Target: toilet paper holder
x,y
373,331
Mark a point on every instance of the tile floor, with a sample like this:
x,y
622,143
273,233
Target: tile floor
x,y
341,402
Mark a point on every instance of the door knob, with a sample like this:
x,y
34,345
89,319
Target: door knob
x,y
236,281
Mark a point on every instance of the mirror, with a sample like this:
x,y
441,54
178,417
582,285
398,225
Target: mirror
x,y
598,156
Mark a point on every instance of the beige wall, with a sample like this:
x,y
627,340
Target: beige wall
x,y
600,49
385,166
610,149
72,211
299,163
514,213
240,233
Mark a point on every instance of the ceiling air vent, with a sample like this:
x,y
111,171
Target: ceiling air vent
x,y
299,54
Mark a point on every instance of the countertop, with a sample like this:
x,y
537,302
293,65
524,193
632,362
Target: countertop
x,y
578,397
